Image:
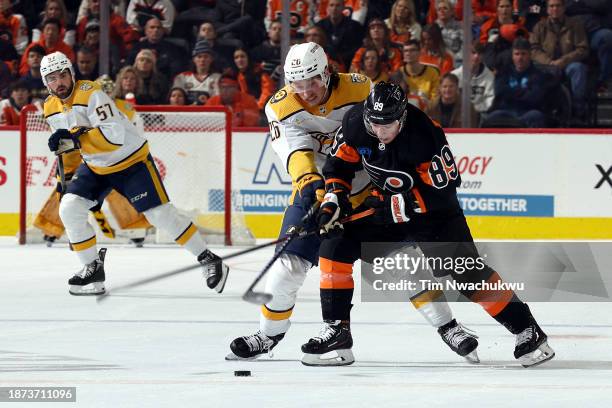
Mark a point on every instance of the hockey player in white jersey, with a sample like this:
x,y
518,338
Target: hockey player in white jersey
x,y
114,156
303,118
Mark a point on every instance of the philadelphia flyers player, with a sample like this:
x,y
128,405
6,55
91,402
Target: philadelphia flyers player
x,y
304,116
408,160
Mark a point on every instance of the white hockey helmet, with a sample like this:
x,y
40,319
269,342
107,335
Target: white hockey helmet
x,y
53,62
306,61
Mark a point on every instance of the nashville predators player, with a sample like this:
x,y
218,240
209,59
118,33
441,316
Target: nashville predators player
x,y
303,118
48,220
115,156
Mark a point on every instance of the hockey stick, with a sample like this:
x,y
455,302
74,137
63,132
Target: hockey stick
x,y
60,158
261,298
188,268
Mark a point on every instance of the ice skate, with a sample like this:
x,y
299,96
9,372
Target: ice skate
x,y
215,271
49,240
90,279
461,340
253,346
332,347
532,346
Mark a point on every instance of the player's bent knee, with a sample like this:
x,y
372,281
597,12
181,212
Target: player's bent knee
x,y
74,209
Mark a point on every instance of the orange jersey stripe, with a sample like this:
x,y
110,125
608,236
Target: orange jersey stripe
x,y
493,301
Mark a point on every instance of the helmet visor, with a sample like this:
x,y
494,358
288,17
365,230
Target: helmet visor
x,y
307,85
57,75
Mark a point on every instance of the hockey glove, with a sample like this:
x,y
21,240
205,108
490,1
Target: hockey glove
x,y
63,140
391,209
335,206
311,189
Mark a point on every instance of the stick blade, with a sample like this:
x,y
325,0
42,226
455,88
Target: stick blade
x,y
258,298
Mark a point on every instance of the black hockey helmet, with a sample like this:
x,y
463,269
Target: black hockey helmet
x,y
385,104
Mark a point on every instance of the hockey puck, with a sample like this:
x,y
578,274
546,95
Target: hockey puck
x,y
244,373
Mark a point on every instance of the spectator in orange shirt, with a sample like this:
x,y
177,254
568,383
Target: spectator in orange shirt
x,y
57,9
402,22
433,50
243,106
50,41
379,37
15,24
490,29
481,10
122,36
371,67
252,79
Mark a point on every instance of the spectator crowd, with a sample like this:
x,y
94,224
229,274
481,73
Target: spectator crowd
x,y
535,63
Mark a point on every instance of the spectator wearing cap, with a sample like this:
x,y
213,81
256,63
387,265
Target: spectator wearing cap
x,y
32,78
433,49
57,9
50,41
243,106
482,82
86,66
122,36
344,34
378,37
202,80
268,53
19,97
252,79
171,59
154,84
140,11
560,42
223,48
403,22
521,90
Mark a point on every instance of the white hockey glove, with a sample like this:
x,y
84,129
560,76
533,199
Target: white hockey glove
x,y
391,209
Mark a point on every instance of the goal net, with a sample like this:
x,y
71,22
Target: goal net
x,y
192,148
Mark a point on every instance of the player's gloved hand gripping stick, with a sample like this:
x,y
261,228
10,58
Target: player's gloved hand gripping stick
x,y
64,141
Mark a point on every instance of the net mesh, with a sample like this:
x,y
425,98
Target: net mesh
x,y
189,150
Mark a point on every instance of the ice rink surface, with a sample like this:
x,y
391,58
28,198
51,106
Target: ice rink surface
x,y
163,345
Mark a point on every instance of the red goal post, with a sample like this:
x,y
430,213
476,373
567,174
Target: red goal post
x,y
192,147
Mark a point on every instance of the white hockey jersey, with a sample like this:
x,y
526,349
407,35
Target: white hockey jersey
x,y
113,144
302,135
195,88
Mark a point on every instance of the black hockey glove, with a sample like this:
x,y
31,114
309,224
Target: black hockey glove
x,y
311,189
63,140
391,209
335,206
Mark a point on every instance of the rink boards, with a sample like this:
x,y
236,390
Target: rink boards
x,y
515,185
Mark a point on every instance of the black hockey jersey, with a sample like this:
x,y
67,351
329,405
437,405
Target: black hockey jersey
x,y
418,159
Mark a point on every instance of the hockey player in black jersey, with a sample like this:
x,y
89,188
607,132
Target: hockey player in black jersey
x,y
407,158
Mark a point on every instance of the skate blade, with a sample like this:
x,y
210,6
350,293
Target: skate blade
x,y
233,357
332,358
224,274
472,357
540,355
95,288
